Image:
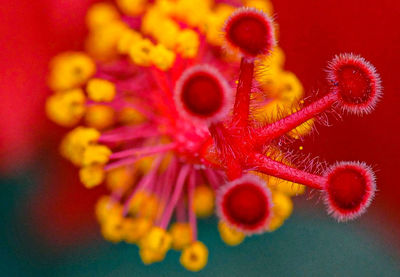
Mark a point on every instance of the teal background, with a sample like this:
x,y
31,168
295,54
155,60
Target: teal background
x,y
309,244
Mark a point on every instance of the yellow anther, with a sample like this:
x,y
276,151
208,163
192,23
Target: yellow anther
x,y
137,202
165,6
113,229
286,187
145,205
92,175
194,14
100,117
101,208
140,52
283,205
270,112
167,158
82,136
100,90
149,256
301,148
102,43
127,39
282,208
130,116
230,235
132,7
113,213
166,33
96,154
303,129
100,14
203,201
66,108
213,29
120,178
181,235
287,87
274,223
151,21
149,207
187,43
136,228
157,240
70,70
263,5
106,209
145,164
161,57
224,10
272,63
194,257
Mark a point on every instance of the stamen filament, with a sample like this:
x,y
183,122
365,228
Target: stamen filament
x,y
169,181
143,151
144,182
175,196
192,215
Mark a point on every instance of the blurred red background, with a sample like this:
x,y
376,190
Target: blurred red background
x,y
311,32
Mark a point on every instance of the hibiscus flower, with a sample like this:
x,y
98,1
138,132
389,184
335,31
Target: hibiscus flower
x,y
34,32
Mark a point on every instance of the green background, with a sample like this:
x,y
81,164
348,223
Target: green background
x,y
309,244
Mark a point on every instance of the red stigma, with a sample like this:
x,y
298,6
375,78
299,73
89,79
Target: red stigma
x,y
251,31
203,93
356,82
349,189
245,204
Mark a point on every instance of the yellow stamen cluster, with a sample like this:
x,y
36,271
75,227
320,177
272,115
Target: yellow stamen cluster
x,y
81,148
138,228
71,80
170,30
115,227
